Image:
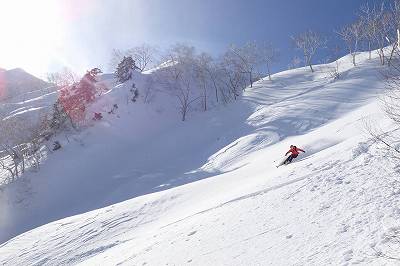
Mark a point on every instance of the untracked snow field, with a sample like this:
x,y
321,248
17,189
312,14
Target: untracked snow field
x,y
146,189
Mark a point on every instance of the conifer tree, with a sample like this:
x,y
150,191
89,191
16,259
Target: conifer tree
x,y
125,68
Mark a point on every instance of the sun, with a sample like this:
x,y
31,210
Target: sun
x,y
31,32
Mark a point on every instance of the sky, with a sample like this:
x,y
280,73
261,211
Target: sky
x,y
45,35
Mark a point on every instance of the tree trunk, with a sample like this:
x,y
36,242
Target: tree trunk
x,y
205,98
183,114
310,65
308,62
269,72
391,54
369,49
251,79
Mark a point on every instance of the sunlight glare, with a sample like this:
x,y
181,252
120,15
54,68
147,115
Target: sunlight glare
x,y
31,31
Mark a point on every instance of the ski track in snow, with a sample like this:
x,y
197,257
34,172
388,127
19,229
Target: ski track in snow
x,y
227,230
335,205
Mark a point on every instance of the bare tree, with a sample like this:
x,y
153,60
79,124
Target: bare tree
x,y
333,71
268,55
144,56
202,67
212,76
212,69
390,102
383,39
309,42
381,28
368,26
63,78
246,59
378,28
351,35
394,37
12,160
13,138
336,52
178,76
232,75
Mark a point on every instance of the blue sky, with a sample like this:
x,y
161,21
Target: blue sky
x,y
213,25
82,33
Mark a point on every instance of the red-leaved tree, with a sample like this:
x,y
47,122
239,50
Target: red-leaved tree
x,y
75,98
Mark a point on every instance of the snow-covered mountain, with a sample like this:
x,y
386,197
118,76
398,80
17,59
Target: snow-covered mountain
x,y
142,188
21,93
17,82
23,100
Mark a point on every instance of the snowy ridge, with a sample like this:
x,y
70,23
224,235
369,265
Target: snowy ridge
x,y
23,99
207,192
17,82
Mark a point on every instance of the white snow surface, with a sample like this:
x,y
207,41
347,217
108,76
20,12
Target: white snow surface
x,y
142,188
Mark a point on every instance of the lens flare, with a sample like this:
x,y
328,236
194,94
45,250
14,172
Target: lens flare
x,y
32,31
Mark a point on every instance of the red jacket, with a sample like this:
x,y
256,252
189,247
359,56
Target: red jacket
x,y
294,151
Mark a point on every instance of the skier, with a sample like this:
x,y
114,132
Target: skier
x,y
294,153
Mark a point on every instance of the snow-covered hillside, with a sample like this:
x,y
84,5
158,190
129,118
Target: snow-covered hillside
x,y
24,97
142,188
17,82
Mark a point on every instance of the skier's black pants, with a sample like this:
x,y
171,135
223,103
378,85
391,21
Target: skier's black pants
x,y
290,158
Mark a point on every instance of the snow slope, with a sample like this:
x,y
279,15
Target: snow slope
x,y
24,97
17,82
143,189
